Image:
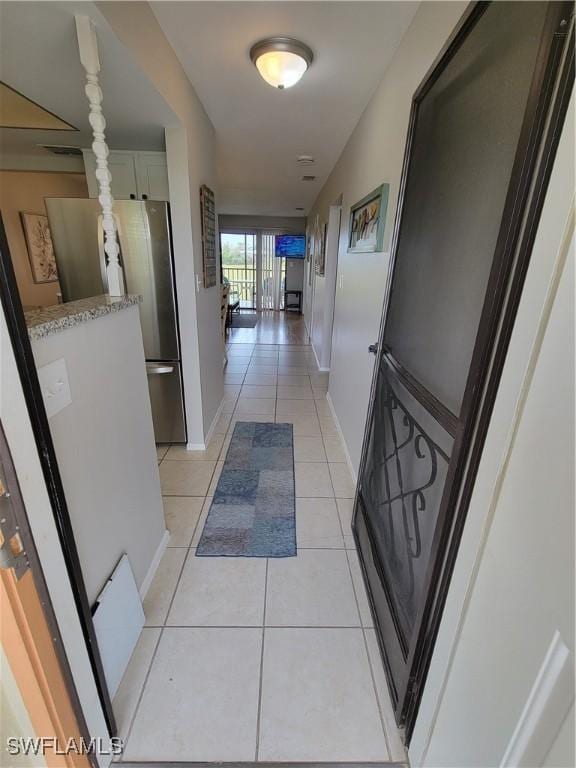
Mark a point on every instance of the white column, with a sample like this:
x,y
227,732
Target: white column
x,y
88,47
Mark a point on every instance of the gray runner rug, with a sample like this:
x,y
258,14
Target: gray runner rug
x,y
253,512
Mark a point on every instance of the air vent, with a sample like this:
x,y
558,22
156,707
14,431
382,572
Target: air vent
x,y
308,178
60,149
299,209
305,160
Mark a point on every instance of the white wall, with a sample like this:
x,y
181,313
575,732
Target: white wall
x,y
25,191
372,156
18,430
232,222
104,443
513,582
190,148
524,589
294,274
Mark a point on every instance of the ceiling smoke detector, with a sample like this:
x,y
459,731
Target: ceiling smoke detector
x,y
305,160
281,61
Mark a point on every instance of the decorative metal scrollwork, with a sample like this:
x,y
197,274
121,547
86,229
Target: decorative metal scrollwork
x,y
399,480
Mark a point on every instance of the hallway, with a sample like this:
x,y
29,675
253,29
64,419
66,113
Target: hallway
x,y
248,659
273,328
286,294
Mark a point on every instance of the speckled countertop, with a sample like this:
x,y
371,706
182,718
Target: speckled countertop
x,y
49,320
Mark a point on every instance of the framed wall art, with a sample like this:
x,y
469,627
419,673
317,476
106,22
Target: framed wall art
x,y
39,247
208,225
321,249
367,222
310,248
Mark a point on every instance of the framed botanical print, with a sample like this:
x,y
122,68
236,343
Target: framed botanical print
x,y
367,222
39,246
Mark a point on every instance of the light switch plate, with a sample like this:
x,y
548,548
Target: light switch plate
x,y
55,386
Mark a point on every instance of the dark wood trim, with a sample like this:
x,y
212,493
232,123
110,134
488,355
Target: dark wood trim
x,y
443,415
18,332
544,115
48,112
465,24
19,510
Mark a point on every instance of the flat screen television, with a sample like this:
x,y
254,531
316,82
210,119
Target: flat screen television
x,y
290,246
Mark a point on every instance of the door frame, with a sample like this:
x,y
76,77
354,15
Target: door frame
x,y
333,232
30,608
545,111
22,349
309,280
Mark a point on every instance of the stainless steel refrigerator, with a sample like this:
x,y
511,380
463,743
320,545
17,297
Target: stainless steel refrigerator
x,y
146,256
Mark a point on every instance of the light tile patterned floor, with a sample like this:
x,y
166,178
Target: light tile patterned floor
x,y
248,659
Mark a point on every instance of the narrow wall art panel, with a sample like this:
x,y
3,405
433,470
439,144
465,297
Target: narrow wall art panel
x,y
208,219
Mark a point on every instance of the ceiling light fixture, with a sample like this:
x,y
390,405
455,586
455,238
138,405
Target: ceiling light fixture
x,y
281,61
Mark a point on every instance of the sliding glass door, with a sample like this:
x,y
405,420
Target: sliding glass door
x,y
256,276
239,267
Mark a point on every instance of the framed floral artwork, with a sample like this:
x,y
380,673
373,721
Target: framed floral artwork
x,y
367,220
39,246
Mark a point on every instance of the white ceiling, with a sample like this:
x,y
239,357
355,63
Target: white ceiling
x,y
39,58
260,130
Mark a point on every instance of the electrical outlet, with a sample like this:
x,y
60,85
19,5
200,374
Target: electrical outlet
x,y
55,386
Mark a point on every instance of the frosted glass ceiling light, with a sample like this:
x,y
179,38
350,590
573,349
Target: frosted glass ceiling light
x,y
281,61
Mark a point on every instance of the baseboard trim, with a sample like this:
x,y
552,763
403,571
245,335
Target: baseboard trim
x,y
322,370
341,434
209,434
145,586
217,415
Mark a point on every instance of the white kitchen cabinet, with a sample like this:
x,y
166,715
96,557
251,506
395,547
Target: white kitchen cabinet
x,y
135,175
152,176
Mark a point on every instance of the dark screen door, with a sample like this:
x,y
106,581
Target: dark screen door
x,y
474,123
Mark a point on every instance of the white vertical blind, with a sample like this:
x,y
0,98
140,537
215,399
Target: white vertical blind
x,y
271,286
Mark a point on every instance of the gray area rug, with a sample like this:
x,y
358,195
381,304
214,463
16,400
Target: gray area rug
x,y
253,512
248,320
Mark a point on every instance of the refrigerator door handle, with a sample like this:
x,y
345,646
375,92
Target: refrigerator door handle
x,y
154,368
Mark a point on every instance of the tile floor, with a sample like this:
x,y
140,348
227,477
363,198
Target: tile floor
x,y
249,659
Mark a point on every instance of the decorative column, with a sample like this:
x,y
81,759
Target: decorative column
x,y
88,47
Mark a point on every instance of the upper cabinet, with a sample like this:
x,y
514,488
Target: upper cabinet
x,y
152,176
135,175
